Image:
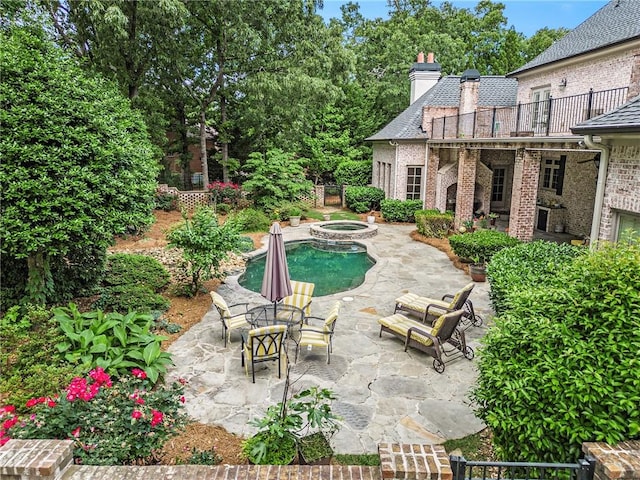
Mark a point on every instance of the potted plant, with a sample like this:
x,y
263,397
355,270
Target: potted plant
x,y
294,213
492,218
371,218
313,443
478,269
301,424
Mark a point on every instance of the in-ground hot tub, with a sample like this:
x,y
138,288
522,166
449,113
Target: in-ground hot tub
x,y
343,230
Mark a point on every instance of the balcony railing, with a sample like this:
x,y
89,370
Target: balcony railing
x,y
546,118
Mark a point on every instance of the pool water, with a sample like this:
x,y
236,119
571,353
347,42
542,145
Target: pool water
x,y
333,266
344,226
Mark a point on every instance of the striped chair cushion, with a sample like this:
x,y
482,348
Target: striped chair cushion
x,y
219,302
301,296
419,304
268,348
400,324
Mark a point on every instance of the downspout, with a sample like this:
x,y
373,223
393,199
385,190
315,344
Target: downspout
x,y
600,186
394,174
426,175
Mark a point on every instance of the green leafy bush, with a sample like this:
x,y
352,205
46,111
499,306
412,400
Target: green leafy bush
x,y
31,365
356,173
204,243
127,298
223,208
166,201
132,269
480,245
250,220
112,422
516,269
560,366
363,199
111,341
433,223
400,210
245,244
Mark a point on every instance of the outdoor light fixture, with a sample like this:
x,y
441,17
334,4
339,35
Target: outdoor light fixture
x,y
563,83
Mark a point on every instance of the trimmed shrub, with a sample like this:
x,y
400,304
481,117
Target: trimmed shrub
x,y
127,298
400,210
363,199
250,220
527,265
133,269
356,173
31,365
481,245
433,223
560,367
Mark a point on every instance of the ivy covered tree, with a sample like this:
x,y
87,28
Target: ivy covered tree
x,y
77,164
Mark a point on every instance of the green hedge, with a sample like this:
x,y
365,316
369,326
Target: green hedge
x,y
356,173
433,223
517,269
363,199
400,210
560,367
480,245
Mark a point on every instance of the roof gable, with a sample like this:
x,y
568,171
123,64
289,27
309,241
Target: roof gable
x,y
616,22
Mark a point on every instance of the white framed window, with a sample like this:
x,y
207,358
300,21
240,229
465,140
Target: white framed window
x,y
414,183
540,108
552,174
628,226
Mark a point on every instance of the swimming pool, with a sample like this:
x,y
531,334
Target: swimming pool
x,y
333,266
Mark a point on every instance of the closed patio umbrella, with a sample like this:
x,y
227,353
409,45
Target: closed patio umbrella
x,y
276,283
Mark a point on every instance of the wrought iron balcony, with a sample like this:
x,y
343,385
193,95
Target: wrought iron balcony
x,y
546,118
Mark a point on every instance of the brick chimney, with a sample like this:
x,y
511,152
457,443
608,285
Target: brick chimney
x,y
469,85
423,75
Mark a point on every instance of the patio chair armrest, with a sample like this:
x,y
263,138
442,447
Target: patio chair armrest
x,y
448,296
311,329
421,332
434,305
245,305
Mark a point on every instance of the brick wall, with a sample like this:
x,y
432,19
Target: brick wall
x,y
384,159
524,193
51,459
432,178
607,71
623,187
467,161
429,113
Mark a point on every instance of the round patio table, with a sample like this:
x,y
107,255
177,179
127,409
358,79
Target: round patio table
x,y
266,315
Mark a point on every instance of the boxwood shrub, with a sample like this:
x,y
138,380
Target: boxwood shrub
x,y
363,199
353,172
433,223
523,266
133,269
400,210
560,367
480,245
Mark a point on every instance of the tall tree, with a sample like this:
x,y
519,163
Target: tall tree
x,y
77,163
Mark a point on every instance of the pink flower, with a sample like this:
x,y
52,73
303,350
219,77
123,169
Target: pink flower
x,y
140,401
51,403
100,376
31,402
7,409
76,432
157,417
4,440
136,372
136,414
10,422
182,399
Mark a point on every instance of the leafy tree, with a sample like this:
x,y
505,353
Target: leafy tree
x,y
274,178
560,366
204,243
77,165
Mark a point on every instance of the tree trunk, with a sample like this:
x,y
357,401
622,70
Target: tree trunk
x,y
39,279
225,143
203,148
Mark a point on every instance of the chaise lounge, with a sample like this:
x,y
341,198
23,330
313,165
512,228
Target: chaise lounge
x,y
430,340
429,309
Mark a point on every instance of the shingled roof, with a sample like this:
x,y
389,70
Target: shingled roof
x,y
624,119
494,91
616,22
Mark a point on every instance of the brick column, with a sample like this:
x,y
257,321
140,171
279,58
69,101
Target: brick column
x,y
319,193
433,164
467,161
43,459
414,462
621,461
526,173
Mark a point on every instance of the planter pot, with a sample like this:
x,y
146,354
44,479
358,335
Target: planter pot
x,y
326,217
371,219
478,272
314,449
294,221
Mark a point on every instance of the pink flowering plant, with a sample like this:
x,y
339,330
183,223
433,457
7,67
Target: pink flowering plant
x,y
224,192
112,422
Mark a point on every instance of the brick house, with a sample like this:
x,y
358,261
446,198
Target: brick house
x,y
505,144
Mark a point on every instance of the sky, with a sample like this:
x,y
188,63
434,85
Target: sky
x,y
527,16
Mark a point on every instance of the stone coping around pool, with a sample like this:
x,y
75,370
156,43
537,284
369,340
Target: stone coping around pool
x,y
318,230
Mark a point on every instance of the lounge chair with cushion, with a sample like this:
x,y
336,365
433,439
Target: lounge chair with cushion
x,y
429,309
230,321
435,341
321,334
264,344
301,296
